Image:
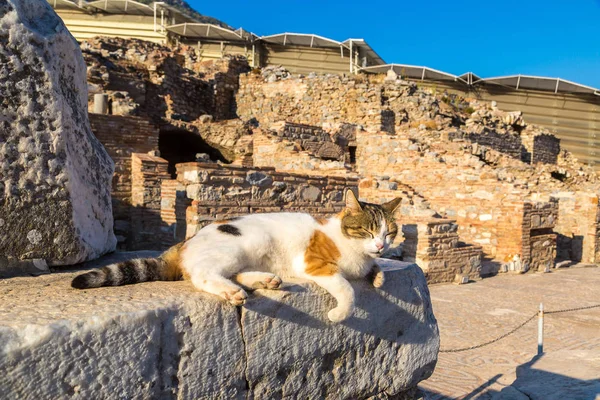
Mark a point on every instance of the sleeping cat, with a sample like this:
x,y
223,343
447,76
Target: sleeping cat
x,y
254,251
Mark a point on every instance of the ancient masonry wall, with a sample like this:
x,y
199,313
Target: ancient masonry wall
x,y
578,227
459,192
122,136
219,192
490,212
434,245
285,155
539,239
319,100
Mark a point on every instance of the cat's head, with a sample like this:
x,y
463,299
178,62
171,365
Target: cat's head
x,y
372,224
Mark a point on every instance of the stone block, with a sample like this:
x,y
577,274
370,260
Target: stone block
x,y
167,340
55,176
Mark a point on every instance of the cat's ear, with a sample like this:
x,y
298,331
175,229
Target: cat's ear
x,y
352,203
392,206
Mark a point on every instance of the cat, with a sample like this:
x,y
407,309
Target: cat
x,y
254,251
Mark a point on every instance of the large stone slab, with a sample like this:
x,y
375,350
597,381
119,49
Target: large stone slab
x,y
55,176
387,347
167,340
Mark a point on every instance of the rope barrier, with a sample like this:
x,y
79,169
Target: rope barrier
x,y
516,329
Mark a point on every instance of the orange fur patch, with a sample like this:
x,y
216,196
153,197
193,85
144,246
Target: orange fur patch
x,y
321,220
321,255
172,258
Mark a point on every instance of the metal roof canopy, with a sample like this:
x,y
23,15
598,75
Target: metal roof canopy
x,y
122,7
246,34
362,44
470,78
65,4
204,31
414,72
555,85
301,39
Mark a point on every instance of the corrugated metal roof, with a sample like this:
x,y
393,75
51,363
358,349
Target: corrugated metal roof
x,y
121,7
204,31
64,5
556,85
414,72
301,39
362,44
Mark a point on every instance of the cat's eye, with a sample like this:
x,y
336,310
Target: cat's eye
x,y
364,230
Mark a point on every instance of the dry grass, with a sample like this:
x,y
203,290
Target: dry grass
x,y
430,124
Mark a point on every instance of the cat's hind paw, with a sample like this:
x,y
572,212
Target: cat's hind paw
x,y
273,283
270,281
236,297
339,314
378,279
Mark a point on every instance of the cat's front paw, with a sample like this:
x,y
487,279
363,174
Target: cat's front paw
x,y
339,314
378,279
236,297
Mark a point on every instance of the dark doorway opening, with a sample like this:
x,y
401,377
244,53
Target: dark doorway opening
x,y
352,151
179,146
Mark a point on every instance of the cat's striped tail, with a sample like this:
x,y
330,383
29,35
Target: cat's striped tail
x,y
164,268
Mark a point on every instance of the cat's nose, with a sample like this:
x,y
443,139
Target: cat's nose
x,y
379,246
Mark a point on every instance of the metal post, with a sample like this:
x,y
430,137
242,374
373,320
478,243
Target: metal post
x,y
541,330
154,17
350,56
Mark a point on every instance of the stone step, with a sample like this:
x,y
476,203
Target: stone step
x,y
167,340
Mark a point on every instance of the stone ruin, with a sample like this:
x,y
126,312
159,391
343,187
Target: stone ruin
x,y
482,192
468,173
463,167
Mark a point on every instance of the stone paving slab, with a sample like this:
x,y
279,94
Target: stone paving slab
x,y
509,369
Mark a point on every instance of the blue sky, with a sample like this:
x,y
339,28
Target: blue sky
x,y
555,38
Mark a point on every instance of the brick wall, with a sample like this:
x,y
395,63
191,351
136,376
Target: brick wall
x,y
509,144
148,174
545,149
122,136
488,208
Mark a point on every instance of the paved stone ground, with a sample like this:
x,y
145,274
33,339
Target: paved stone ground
x,y
508,369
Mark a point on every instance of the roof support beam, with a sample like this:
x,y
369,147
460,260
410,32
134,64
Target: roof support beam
x,y
557,83
351,71
518,82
